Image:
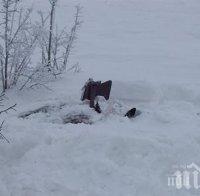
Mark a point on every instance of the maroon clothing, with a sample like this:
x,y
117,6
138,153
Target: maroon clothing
x,y
93,89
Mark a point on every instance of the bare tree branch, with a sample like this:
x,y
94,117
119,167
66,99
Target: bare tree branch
x,y
1,135
72,36
9,108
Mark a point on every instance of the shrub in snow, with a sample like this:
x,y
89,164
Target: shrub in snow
x,y
18,41
56,46
20,37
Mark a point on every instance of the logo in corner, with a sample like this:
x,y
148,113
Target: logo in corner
x,y
187,177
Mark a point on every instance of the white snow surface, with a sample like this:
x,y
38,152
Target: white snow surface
x,y
150,49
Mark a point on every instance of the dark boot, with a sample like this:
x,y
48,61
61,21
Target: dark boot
x,y
97,108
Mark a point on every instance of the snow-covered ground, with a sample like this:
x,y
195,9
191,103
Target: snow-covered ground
x,y
151,51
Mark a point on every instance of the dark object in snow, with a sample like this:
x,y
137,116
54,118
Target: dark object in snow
x,y
43,109
131,113
76,119
93,89
97,108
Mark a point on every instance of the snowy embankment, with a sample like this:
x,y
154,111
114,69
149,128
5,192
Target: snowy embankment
x,y
150,49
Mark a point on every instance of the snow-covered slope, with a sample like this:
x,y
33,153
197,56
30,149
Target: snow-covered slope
x,y
150,49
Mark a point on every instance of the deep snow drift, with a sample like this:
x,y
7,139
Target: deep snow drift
x,y
150,49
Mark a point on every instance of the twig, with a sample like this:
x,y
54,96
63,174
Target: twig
x,y
38,84
10,108
1,135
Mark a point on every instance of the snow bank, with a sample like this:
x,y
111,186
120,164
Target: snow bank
x,y
150,49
